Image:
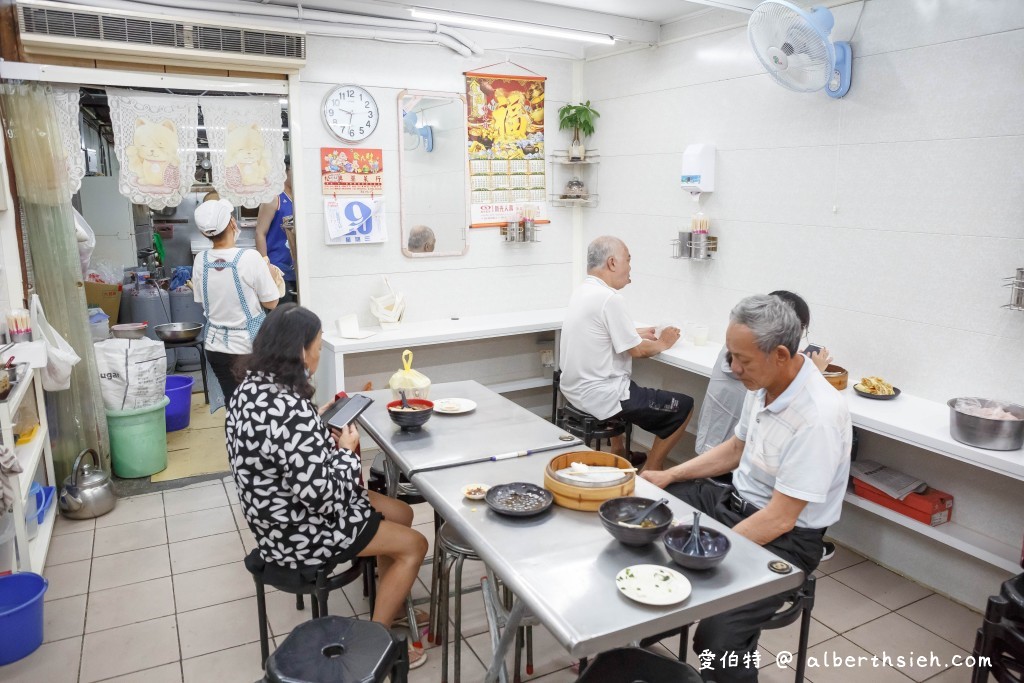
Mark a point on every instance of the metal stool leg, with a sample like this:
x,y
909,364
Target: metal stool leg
x,y
458,617
529,650
443,630
299,604
434,632
261,611
314,605
517,660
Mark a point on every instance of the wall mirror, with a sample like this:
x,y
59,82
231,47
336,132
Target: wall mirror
x,y
433,173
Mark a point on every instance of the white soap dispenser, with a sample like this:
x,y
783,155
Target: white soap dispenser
x,y
698,173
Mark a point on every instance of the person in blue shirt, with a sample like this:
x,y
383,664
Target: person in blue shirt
x,y
275,235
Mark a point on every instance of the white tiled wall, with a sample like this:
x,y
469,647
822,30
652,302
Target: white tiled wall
x,y
492,276
895,212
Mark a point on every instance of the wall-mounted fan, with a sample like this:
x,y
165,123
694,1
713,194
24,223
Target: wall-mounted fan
x,y
793,46
410,122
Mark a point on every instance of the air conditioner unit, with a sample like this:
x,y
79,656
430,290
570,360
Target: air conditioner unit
x,y
50,29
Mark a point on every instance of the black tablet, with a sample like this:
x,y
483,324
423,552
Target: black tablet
x,y
345,410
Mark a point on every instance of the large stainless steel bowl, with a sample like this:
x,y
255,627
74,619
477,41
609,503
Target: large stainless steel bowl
x,y
996,435
178,332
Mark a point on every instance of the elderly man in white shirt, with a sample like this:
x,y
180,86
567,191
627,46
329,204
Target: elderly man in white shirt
x,y
598,345
790,458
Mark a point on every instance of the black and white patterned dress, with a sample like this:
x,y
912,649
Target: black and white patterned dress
x,y
300,494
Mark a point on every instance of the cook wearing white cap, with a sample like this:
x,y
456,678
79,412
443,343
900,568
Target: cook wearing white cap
x,y
234,285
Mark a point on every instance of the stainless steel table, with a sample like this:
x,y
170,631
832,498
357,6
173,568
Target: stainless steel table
x,y
496,426
560,564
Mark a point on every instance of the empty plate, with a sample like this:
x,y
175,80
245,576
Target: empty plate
x,y
653,584
454,406
519,499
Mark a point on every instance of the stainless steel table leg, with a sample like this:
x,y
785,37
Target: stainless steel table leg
x,y
507,638
458,617
443,617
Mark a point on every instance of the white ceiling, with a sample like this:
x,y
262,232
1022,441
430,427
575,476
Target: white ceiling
x,y
658,11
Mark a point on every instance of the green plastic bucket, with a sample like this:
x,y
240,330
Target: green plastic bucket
x,y
138,440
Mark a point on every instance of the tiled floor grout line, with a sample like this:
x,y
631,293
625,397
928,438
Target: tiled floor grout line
x,y
174,597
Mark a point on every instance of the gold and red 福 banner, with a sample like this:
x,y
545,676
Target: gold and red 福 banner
x,y
505,144
351,170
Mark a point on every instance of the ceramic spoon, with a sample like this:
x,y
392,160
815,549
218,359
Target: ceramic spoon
x,y
694,544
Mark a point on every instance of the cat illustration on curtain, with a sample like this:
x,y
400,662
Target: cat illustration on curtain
x,y
246,166
153,156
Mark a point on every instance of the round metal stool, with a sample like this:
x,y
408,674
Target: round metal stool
x,y
450,550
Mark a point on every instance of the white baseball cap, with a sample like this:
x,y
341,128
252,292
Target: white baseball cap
x,y
212,217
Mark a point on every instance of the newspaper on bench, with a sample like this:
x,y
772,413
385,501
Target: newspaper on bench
x,y
892,482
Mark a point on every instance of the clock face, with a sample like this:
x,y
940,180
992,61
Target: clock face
x,y
350,113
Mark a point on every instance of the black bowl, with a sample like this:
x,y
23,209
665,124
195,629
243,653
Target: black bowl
x,y
616,509
411,420
714,542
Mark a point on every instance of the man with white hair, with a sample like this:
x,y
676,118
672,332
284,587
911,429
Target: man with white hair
x,y
790,459
421,240
598,345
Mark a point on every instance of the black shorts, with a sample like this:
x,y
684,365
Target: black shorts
x,y
366,535
656,411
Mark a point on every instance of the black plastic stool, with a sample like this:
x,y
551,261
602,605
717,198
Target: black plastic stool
x,y
339,650
1000,639
376,482
582,424
289,580
634,665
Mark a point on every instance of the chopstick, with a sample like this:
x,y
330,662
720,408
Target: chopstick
x,y
500,456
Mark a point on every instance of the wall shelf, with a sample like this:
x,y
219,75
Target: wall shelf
x,y
31,553
563,170
520,385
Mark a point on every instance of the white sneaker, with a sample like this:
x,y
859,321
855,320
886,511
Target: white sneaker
x,y
828,551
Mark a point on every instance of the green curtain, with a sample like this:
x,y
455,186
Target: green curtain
x,y
77,419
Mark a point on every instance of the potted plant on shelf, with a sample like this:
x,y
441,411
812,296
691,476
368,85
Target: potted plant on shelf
x,y
579,117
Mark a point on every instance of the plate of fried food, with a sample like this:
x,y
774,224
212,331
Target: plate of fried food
x,y
876,388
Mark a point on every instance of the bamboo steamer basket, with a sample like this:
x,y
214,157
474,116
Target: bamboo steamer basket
x,y
836,376
583,498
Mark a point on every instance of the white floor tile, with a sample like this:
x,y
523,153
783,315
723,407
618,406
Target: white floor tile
x,y
212,586
218,627
283,617
67,580
896,636
200,523
234,665
129,604
132,536
55,662
189,500
65,525
788,638
168,673
69,548
135,509
953,622
208,551
841,608
126,649
112,571
64,618
885,587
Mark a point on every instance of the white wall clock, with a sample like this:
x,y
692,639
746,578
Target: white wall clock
x,y
350,113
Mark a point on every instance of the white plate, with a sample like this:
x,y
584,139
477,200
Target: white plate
x,y
454,406
653,584
482,488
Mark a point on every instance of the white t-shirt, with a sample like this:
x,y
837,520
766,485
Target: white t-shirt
x,y
798,445
594,351
224,308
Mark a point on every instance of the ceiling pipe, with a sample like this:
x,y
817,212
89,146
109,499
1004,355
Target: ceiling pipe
x,y
316,22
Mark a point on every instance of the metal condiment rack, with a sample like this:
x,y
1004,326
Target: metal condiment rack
x,y
520,233
687,248
1016,285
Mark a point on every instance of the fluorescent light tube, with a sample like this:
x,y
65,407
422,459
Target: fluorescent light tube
x,y
506,25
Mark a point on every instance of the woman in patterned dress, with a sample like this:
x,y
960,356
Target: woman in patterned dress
x,y
299,481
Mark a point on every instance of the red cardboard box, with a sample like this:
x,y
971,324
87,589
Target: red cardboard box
x,y
933,507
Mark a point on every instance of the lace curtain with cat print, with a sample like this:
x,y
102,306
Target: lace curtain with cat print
x,y
246,148
155,143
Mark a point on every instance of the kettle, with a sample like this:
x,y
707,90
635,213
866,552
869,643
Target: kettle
x,y
88,492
